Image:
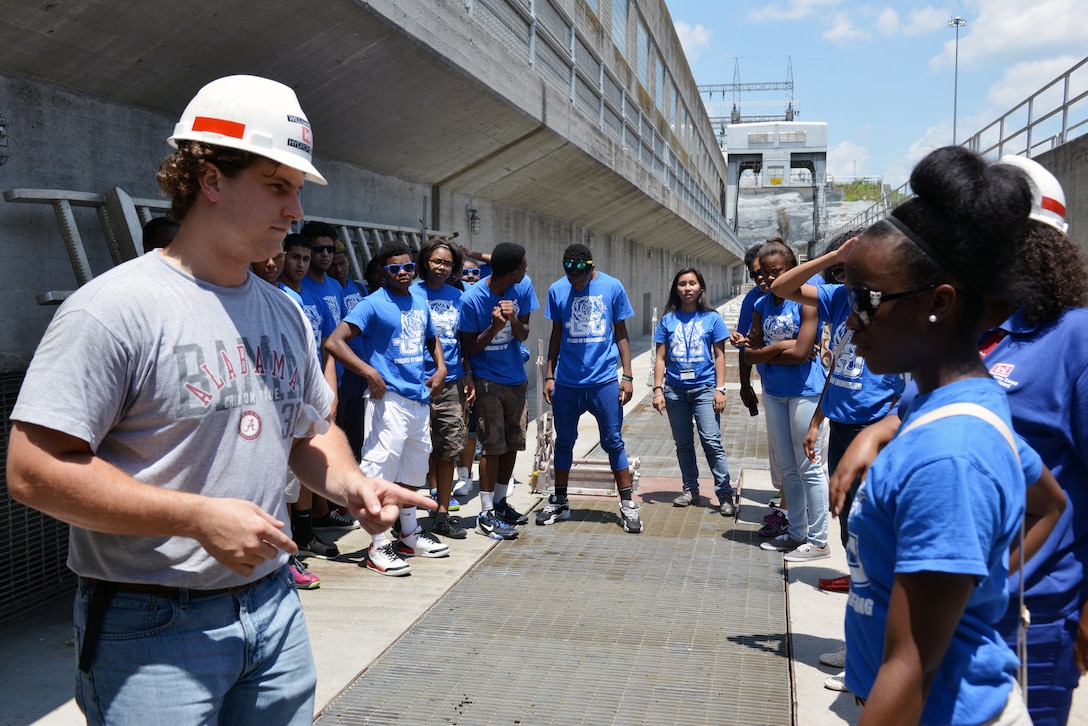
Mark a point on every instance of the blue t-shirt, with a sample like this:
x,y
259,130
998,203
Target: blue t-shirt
x,y
331,293
947,496
854,396
353,295
747,306
445,307
689,339
783,322
587,351
1044,372
394,329
315,311
501,360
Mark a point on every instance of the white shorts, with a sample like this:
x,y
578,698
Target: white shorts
x,y
398,439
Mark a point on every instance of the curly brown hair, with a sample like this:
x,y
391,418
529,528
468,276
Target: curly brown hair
x,y
1052,275
179,173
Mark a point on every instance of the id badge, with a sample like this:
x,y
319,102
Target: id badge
x,y
687,375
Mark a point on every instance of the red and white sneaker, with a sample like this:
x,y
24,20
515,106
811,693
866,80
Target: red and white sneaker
x,y
384,561
422,544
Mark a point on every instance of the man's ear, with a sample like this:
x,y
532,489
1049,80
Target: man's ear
x,y
210,178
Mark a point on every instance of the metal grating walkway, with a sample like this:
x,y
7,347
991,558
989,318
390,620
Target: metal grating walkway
x,y
581,623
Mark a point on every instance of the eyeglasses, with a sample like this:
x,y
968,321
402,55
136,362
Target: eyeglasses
x,y
837,273
408,267
440,263
470,272
324,248
864,302
579,266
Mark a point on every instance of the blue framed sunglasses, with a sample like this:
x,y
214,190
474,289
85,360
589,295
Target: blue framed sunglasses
x,y
408,267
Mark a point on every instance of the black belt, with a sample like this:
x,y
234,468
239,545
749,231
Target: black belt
x,y
104,591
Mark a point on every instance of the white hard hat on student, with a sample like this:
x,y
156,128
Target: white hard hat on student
x,y
253,114
1047,197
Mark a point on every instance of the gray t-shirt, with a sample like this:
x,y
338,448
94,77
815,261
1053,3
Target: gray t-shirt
x,y
181,384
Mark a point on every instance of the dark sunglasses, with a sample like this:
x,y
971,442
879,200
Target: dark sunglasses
x,y
864,302
755,274
324,248
471,272
408,267
579,266
837,273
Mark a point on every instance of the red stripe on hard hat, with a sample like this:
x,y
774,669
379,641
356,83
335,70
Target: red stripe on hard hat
x,y
1053,205
220,126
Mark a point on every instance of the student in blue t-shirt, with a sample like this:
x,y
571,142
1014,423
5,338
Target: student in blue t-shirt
x,y
931,524
440,262
396,330
854,397
689,383
494,321
588,310
784,333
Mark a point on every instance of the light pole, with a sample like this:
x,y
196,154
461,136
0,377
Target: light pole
x,y
957,23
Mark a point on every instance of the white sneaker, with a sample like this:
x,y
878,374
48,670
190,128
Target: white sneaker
x,y
384,561
808,551
837,683
422,544
462,485
836,659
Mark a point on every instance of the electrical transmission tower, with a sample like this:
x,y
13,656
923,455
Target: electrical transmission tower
x,y
736,89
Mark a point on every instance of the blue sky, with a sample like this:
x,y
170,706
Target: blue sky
x,y
881,75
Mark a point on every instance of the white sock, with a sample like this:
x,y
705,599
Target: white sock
x,y
501,491
407,523
487,501
377,540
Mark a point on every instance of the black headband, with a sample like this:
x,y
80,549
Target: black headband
x,y
969,280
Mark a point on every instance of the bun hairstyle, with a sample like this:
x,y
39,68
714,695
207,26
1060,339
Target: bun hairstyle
x,y
964,221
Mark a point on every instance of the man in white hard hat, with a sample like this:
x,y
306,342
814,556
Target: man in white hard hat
x,y
157,417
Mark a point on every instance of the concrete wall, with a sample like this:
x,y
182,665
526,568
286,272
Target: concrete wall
x,y
60,139
1069,162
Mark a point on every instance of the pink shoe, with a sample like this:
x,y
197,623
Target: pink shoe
x,y
303,579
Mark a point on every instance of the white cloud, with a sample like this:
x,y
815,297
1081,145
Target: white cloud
x,y
694,39
1008,31
925,20
845,157
791,9
843,31
1025,79
887,23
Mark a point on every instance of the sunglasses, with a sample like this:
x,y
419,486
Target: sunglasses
x,y
755,274
837,273
864,302
408,267
471,272
324,248
579,266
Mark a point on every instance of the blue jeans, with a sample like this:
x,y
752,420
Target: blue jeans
x,y
802,480
682,405
603,401
232,658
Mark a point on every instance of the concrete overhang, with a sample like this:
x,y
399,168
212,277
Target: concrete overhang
x,y
412,90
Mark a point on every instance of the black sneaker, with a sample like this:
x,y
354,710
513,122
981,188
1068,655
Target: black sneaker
x,y
444,527
508,514
319,549
556,510
335,520
491,526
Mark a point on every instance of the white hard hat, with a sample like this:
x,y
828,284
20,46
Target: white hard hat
x,y
1047,197
252,114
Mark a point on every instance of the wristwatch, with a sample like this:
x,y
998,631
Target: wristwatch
x,y
721,389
